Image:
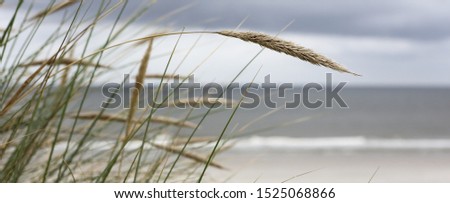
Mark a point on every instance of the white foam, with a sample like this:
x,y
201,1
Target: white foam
x,y
295,143
344,143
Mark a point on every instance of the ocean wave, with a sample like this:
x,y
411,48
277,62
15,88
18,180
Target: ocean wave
x,y
294,143
344,143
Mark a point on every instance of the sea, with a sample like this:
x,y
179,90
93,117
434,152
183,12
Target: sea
x,y
375,118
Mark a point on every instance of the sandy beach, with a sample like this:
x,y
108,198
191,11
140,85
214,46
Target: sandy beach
x,y
340,167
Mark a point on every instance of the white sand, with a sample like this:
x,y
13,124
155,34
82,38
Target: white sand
x,y
353,167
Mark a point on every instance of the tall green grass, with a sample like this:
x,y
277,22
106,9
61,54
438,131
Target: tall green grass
x,y
45,85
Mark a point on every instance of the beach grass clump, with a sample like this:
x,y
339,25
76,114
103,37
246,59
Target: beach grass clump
x,y
51,131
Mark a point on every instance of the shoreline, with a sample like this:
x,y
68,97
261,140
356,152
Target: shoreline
x,y
272,166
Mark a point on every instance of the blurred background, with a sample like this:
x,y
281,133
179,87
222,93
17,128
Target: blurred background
x,y
390,43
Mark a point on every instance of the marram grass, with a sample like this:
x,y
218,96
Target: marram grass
x,y
63,61
139,82
288,48
46,133
54,8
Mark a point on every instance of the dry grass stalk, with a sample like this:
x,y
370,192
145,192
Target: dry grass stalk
x,y
154,119
187,155
182,141
139,81
54,9
78,130
286,47
171,121
196,102
62,61
161,32
65,75
16,97
166,76
103,117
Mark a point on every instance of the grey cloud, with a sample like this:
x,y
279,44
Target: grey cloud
x,y
423,20
411,19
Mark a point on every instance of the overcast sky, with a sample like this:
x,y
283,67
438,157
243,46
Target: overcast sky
x,y
401,42
409,19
